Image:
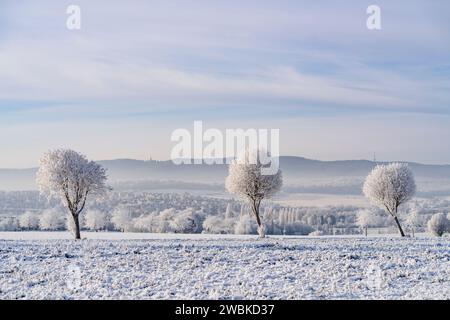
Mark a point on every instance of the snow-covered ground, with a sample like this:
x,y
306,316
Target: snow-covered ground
x,y
120,266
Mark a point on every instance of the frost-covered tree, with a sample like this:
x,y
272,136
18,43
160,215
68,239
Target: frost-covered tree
x,y
29,221
270,219
188,221
146,222
242,211
96,220
51,219
219,225
229,211
70,224
438,224
297,228
247,180
164,221
72,178
283,220
9,224
122,219
364,219
413,220
389,186
246,225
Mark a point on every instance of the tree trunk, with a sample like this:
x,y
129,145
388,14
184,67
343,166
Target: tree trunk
x,y
255,209
365,229
399,226
77,227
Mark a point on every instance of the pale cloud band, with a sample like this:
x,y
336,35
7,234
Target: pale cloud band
x,y
224,60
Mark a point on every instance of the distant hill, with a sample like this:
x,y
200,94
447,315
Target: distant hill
x,y
296,170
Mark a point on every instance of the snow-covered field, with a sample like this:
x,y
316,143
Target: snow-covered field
x,y
121,266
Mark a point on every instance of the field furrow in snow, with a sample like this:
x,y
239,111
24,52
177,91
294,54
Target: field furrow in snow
x,y
274,268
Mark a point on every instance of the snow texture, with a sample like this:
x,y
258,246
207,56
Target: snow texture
x,y
223,267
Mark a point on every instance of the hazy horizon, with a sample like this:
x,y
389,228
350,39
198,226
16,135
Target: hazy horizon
x,y
283,155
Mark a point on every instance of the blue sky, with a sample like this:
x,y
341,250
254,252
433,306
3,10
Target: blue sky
x,y
137,70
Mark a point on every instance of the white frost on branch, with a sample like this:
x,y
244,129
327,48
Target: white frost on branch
x,y
29,221
438,224
69,176
389,186
246,180
96,220
413,219
51,219
122,219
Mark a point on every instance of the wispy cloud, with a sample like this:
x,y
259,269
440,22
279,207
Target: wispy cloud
x,y
290,59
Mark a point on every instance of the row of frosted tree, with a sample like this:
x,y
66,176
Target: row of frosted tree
x,y
73,179
234,220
